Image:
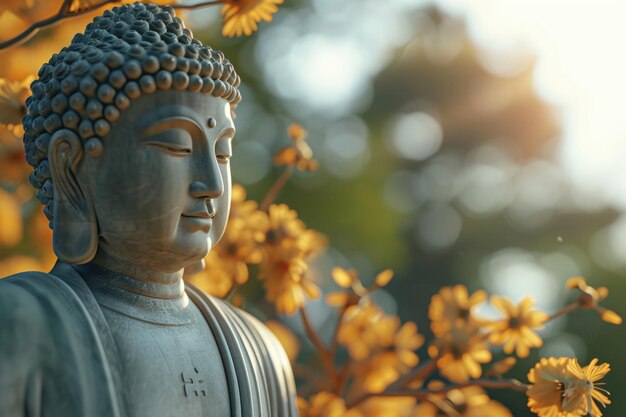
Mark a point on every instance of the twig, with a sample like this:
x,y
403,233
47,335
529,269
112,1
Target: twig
x,y
321,351
422,394
445,406
565,311
278,185
334,342
342,378
419,374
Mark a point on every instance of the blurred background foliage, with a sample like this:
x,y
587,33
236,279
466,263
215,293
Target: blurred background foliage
x,y
459,142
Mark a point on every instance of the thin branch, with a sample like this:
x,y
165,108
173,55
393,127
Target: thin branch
x,y
342,378
423,394
62,14
321,351
334,342
565,311
198,5
419,374
278,185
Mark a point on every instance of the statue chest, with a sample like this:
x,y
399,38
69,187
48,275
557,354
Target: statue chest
x,y
170,360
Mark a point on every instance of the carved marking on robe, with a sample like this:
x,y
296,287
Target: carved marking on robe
x,y
193,385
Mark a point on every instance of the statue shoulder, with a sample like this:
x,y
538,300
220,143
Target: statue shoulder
x,y
19,302
23,316
29,301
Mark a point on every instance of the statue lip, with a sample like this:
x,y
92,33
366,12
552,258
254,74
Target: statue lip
x,y
202,220
198,214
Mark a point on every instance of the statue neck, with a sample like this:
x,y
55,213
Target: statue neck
x,y
135,278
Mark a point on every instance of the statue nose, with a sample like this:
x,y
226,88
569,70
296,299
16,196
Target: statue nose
x,y
199,189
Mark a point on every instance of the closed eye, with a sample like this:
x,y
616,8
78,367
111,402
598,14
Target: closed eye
x,y
171,147
172,135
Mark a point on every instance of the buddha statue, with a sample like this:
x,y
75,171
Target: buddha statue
x,y
129,132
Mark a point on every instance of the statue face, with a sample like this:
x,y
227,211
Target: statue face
x,y
161,189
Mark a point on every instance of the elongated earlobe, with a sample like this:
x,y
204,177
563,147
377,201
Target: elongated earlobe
x,y
75,231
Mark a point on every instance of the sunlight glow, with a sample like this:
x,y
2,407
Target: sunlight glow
x,y
579,68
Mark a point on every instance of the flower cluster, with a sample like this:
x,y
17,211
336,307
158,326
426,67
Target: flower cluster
x,y
299,153
590,298
277,240
386,348
285,270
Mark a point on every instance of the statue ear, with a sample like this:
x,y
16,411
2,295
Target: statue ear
x,y
75,229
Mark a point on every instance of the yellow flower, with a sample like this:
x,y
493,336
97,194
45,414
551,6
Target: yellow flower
x,y
381,348
383,278
10,219
12,166
459,353
590,298
384,407
464,402
348,278
286,281
247,211
299,153
285,226
345,278
396,358
364,329
17,7
561,388
501,367
287,248
287,339
311,243
453,307
515,330
582,393
548,379
220,274
322,404
40,236
296,132
242,16
13,96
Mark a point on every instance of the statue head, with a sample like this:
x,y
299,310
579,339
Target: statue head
x,y
129,132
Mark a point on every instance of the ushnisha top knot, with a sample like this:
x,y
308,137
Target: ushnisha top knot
x,y
129,51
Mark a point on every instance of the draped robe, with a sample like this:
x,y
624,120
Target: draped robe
x,y
58,357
